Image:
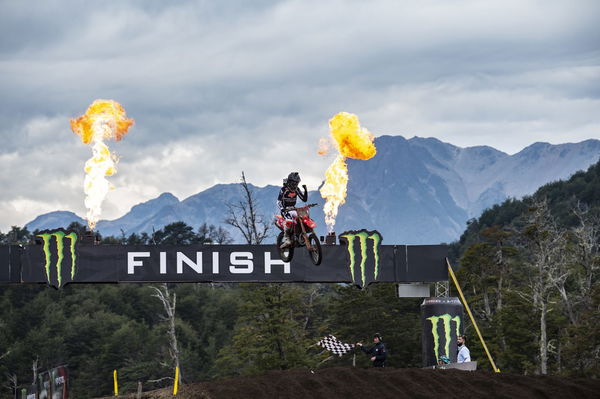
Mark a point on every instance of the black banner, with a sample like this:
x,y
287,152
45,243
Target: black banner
x,y
441,319
10,263
60,259
425,261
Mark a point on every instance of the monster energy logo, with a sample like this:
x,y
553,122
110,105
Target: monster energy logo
x,y
362,237
60,249
446,319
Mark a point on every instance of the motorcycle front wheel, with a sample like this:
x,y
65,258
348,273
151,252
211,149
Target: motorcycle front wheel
x,y
316,255
286,253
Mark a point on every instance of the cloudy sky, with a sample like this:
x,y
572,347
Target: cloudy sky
x,y
217,87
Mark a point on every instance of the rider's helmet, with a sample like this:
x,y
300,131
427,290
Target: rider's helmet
x,y
293,180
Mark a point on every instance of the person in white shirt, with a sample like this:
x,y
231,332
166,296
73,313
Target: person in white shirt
x,y
463,352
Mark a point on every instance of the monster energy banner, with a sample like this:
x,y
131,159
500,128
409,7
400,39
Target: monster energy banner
x,y
61,258
441,319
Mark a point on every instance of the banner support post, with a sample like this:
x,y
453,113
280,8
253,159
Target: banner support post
x,y
464,301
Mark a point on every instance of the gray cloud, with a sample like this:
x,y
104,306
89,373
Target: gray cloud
x,y
220,87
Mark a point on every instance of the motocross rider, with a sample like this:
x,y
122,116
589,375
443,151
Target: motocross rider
x,y
287,199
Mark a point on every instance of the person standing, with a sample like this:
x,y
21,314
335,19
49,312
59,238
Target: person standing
x,y
463,352
377,351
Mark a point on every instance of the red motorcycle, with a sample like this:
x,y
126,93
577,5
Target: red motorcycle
x,y
302,235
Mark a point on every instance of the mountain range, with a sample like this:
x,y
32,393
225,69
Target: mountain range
x,y
414,191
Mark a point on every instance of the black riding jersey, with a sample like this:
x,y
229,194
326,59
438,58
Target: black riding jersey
x,y
287,197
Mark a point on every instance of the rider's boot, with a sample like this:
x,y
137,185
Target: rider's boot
x,y
286,241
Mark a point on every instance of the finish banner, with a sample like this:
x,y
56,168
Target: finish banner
x,y
361,259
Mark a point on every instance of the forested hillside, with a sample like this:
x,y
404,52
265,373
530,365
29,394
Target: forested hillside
x,y
528,268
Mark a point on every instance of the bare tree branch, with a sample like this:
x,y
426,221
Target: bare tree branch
x,y
244,216
585,253
544,244
169,303
34,368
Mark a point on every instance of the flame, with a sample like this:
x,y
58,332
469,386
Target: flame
x,y
104,119
351,141
324,145
334,189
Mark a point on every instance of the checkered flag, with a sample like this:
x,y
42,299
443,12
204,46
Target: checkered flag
x,y
334,345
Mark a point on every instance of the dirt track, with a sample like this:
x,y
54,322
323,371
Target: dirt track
x,y
386,383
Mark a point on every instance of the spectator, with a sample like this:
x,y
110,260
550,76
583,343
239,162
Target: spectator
x,y
463,352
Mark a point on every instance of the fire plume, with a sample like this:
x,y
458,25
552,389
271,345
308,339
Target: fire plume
x,y
351,141
103,120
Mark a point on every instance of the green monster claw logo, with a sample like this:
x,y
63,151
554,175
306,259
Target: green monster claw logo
x,y
59,236
363,236
446,319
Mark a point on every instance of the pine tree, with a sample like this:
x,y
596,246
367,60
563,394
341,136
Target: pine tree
x,y
269,332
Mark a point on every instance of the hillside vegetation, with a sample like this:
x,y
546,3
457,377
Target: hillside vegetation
x,y
530,269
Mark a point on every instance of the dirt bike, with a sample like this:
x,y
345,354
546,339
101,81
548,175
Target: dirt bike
x,y
302,235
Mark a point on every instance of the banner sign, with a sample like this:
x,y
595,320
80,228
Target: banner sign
x,y
59,380
44,390
51,384
441,322
10,262
361,259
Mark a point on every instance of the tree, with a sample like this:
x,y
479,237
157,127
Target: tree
x,y
221,236
210,234
78,228
178,233
485,273
582,348
16,236
544,246
585,257
138,239
582,296
244,216
269,333
169,303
